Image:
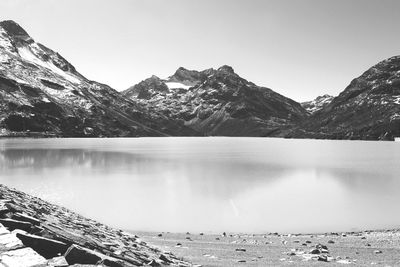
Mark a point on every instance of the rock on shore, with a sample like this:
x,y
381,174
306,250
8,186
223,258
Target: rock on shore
x,y
34,232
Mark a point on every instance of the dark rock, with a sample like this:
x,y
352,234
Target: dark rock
x,y
26,218
15,224
77,254
241,249
331,242
165,259
315,251
48,248
153,263
323,258
320,246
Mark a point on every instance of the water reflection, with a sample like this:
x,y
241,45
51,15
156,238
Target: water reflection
x,y
212,184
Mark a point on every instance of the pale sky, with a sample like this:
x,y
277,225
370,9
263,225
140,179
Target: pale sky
x,y
299,48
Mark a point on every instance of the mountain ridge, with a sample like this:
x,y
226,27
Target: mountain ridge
x,y
42,93
218,102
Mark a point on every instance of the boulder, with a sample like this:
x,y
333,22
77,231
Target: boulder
x,y
9,242
59,261
15,224
48,248
25,257
26,218
77,254
3,230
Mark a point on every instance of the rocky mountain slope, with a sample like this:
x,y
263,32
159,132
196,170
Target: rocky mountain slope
x,y
369,108
42,93
218,102
317,104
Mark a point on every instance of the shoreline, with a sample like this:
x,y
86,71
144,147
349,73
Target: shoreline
x,y
38,135
34,225
380,248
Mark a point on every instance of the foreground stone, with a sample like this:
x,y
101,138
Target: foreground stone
x,y
24,257
78,254
48,248
36,233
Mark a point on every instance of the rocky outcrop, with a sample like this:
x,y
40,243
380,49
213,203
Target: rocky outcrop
x,y
49,235
42,94
218,102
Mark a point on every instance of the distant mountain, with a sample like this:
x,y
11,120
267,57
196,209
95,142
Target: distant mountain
x,y
317,104
218,102
42,93
369,108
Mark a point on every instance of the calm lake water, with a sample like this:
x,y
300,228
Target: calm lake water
x,y
212,184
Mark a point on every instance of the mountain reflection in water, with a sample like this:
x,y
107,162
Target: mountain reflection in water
x,y
212,184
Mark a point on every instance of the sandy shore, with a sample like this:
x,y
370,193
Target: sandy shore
x,y
367,248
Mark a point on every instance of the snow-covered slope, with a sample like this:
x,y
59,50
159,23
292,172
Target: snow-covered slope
x,y
317,104
42,92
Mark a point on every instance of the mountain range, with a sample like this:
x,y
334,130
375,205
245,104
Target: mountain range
x,y
42,94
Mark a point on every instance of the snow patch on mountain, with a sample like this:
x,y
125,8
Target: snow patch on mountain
x,y
27,54
176,85
317,104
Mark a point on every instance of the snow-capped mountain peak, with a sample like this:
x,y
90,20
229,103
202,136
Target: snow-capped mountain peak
x,y
318,103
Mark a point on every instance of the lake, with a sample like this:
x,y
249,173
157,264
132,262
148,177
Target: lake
x,y
212,184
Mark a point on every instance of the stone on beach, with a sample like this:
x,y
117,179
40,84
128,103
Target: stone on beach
x,y
9,242
77,254
15,224
48,248
25,218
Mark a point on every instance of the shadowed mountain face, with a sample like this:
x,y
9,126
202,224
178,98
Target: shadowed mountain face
x,y
42,92
369,108
218,102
